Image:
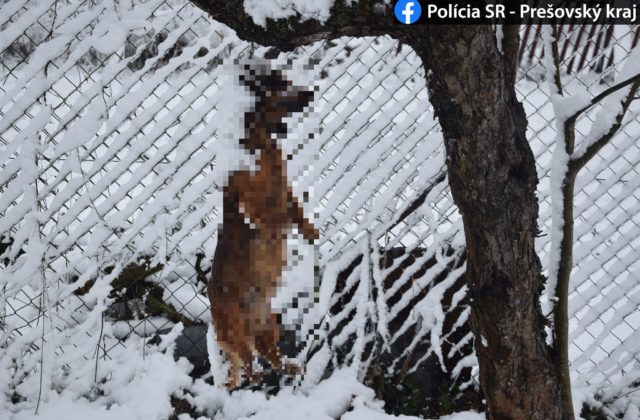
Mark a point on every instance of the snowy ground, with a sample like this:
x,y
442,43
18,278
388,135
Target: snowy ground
x,y
140,386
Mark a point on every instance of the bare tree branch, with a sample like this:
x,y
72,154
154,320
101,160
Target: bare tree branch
x,y
555,57
561,307
565,265
576,163
596,99
579,162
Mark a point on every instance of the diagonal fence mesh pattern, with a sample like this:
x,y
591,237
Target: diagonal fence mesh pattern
x,y
112,163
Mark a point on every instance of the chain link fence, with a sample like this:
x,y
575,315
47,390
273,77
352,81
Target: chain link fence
x,y
111,167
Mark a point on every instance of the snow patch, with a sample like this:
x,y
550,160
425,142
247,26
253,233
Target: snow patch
x,y
261,10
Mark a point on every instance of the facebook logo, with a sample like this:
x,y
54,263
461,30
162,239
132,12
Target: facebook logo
x,y
407,11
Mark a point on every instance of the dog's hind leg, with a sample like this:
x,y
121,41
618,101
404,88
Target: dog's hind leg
x,y
267,342
240,357
267,347
230,325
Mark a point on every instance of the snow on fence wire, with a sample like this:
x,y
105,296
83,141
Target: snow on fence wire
x,y
110,198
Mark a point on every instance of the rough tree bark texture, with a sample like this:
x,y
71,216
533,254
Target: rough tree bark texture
x,y
493,180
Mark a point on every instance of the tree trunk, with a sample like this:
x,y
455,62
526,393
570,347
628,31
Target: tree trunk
x,y
493,180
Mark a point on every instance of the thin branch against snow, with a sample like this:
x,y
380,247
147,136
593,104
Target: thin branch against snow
x,y
565,168
552,58
596,99
559,166
615,103
591,148
566,161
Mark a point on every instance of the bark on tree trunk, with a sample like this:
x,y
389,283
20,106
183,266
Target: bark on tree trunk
x,y
493,180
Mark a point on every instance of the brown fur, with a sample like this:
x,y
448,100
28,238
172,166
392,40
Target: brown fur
x,y
258,209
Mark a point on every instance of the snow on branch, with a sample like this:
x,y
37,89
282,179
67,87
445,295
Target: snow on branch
x,y
567,162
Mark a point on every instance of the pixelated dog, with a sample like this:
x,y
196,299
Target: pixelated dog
x,y
259,209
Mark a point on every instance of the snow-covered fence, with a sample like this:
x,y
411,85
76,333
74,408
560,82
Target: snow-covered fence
x,y
109,198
